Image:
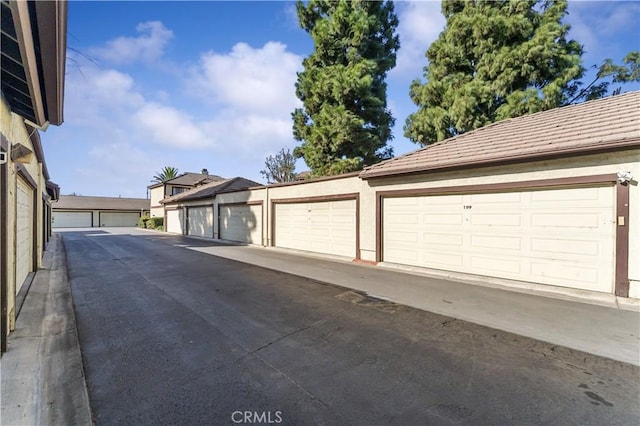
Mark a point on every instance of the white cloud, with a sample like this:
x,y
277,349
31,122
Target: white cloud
x,y
420,23
252,79
148,46
248,134
171,127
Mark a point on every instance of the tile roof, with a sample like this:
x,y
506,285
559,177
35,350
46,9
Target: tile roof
x,y
211,189
80,202
189,179
608,123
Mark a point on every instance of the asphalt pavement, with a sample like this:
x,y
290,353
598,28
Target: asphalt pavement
x,y
176,330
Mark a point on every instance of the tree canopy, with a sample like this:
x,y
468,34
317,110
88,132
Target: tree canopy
x,y
499,59
280,168
167,173
344,123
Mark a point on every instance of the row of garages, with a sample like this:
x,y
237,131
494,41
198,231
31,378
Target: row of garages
x,y
32,75
549,199
76,211
561,232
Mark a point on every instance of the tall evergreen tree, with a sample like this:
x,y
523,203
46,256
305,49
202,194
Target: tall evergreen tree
x,y
495,59
345,123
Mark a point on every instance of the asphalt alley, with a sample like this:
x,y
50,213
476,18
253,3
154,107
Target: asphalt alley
x,y
171,335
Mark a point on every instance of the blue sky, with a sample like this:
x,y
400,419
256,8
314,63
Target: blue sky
x,y
210,84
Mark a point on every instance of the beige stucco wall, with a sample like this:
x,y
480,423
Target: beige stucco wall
x,y
596,164
156,195
572,167
15,131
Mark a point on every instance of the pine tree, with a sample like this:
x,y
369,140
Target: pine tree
x,y
345,123
494,60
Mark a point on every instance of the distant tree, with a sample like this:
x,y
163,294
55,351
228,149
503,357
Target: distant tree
x,y
501,59
628,72
280,168
344,123
167,173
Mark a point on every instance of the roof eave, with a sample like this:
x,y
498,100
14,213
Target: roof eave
x,y
574,152
45,70
52,31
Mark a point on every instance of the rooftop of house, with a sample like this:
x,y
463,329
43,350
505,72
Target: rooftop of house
x,y
211,189
593,126
81,202
189,179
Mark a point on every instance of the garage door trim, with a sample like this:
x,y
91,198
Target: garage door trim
x,y
337,197
621,267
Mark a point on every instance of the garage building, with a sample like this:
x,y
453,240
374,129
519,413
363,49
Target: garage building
x,y
542,199
76,211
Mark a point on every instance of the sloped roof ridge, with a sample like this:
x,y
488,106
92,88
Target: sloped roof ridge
x,y
608,122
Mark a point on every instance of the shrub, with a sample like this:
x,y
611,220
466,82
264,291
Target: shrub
x,y
155,222
142,222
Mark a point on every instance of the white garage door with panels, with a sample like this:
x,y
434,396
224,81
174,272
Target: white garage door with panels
x,y
563,237
241,222
24,234
174,221
201,221
119,218
321,226
71,219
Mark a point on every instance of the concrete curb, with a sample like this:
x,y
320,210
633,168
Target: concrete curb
x,y
42,374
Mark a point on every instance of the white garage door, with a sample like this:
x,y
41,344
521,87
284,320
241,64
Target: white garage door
x,y
71,219
242,223
323,227
562,237
24,235
201,221
175,221
119,218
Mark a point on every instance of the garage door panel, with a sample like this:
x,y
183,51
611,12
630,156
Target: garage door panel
x,y
442,258
241,223
559,195
496,243
567,275
493,264
478,200
555,247
453,240
492,219
324,227
174,221
24,232
119,219
71,219
541,236
443,219
201,221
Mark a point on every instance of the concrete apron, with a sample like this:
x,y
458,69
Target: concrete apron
x,y
606,331
42,374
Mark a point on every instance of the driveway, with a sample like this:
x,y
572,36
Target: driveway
x,y
171,335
